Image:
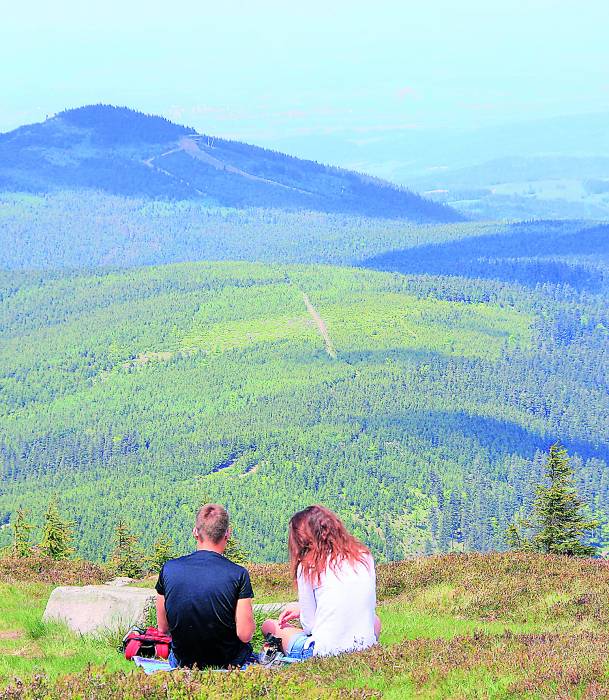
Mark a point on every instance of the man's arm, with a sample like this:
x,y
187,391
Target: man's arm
x,y
244,619
161,615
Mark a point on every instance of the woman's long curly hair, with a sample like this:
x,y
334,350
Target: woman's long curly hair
x,y
317,538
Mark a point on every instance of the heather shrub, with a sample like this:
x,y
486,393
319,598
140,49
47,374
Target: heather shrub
x,y
252,683
42,569
272,581
517,587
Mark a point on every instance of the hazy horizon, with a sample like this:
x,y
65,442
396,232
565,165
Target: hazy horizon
x,y
269,72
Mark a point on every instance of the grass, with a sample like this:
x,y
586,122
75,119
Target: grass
x,y
401,621
465,626
28,645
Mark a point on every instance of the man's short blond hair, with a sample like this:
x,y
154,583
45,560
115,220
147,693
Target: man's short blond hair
x,y
212,522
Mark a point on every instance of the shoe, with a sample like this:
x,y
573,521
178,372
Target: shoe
x,y
271,653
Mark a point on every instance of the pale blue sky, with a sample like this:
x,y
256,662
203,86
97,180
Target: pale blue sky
x,y
263,70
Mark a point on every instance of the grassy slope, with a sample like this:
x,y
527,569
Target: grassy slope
x,y
453,626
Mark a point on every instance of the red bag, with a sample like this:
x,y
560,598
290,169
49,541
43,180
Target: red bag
x,y
147,642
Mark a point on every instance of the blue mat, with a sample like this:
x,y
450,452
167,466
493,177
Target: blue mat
x,y
152,665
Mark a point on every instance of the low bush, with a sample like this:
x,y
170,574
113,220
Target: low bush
x,y
272,581
508,665
67,572
252,683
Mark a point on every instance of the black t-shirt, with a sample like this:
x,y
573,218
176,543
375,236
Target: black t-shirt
x,y
201,592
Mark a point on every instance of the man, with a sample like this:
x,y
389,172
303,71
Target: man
x,y
205,601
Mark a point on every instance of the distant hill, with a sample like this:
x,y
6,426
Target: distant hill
x,y
406,156
544,169
519,187
123,152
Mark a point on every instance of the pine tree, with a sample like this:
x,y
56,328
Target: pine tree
x,y
57,534
22,546
558,510
516,539
236,552
127,558
163,550
557,523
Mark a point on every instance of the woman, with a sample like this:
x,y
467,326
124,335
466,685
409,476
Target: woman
x,y
336,583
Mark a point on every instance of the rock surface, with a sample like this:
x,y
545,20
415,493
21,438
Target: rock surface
x,y
120,581
272,609
89,609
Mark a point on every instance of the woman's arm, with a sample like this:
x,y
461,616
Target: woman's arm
x,y
308,604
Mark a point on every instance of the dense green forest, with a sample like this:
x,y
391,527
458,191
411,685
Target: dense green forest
x,y
417,405
91,229
76,229
530,253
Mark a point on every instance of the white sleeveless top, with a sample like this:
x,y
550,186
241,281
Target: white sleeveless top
x,y
339,612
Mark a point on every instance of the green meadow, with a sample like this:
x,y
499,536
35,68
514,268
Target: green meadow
x,y
455,626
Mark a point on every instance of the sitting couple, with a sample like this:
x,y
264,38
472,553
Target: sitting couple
x,y
205,601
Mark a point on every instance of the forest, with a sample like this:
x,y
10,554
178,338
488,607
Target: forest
x,y
422,417
78,229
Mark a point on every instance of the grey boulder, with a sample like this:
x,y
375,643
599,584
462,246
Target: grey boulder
x,y
93,609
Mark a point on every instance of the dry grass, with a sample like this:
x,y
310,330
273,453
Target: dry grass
x,y
512,587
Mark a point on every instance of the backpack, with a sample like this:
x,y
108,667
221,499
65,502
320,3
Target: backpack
x,y
147,642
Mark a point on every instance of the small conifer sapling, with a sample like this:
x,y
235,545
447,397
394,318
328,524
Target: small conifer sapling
x,y
162,551
127,558
22,546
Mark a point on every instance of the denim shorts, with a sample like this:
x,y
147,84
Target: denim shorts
x,y
173,660
301,647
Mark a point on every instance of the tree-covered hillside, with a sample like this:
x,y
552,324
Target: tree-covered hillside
x,y
123,152
417,406
91,229
416,400
530,253
75,229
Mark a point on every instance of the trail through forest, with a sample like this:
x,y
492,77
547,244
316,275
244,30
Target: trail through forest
x,y
321,325
149,162
191,146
